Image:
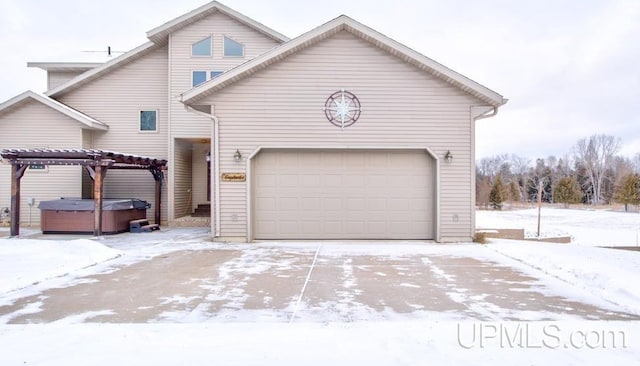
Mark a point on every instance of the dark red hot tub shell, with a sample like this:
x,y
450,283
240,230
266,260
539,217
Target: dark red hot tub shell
x,y
75,216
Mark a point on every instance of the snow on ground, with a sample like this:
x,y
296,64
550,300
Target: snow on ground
x,y
600,271
603,272
608,274
24,262
428,342
586,227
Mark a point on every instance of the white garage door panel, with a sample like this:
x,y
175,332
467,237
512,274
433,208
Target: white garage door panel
x,y
343,195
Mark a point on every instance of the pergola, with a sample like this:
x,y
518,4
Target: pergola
x,y
96,163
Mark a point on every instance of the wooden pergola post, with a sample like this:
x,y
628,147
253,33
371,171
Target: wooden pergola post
x,y
96,162
97,200
158,176
17,172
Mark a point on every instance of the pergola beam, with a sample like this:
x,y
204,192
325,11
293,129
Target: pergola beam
x,y
96,162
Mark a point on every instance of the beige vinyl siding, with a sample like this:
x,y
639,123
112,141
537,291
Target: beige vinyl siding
x,y
199,169
217,25
117,99
57,78
87,182
402,107
183,178
32,125
185,124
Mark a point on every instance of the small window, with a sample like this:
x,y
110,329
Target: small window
x,y
198,78
215,74
38,168
148,121
201,48
233,48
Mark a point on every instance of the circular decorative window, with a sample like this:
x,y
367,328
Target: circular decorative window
x,y
342,108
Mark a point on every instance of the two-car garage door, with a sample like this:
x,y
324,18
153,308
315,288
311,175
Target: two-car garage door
x,y
343,194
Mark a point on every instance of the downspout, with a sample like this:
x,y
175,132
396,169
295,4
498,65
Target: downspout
x,y
493,113
216,171
487,115
216,162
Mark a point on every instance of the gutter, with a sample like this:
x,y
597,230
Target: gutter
x,y
493,113
216,162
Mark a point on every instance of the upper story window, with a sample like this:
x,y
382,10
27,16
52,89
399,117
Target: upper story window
x,y
148,121
201,48
199,77
233,48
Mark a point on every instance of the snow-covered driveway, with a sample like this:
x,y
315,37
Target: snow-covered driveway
x,y
173,297
306,282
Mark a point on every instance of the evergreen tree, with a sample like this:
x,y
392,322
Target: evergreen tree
x,y
514,191
629,190
497,194
567,191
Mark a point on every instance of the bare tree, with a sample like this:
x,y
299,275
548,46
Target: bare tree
x,y
595,154
636,163
493,166
521,167
564,167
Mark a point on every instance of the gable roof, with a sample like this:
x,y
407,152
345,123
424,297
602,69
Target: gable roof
x,y
343,23
64,66
160,34
158,38
102,69
88,122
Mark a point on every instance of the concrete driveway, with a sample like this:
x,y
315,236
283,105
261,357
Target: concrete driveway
x,y
309,282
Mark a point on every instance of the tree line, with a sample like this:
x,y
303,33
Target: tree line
x,y
592,173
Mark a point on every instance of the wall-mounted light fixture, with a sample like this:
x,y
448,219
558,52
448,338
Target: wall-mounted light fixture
x,y
237,156
208,157
448,156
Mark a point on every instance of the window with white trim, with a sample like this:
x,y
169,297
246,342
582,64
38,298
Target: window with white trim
x,y
148,121
202,48
233,48
198,77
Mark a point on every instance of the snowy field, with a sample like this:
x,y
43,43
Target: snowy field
x,y
605,275
585,226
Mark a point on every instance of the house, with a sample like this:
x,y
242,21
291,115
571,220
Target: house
x,y
340,133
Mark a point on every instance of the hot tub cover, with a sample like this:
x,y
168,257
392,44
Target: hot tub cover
x,y
77,204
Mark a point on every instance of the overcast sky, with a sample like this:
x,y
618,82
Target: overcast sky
x,y
570,69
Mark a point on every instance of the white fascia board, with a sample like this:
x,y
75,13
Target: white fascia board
x,y
343,22
160,33
424,61
54,104
102,69
64,66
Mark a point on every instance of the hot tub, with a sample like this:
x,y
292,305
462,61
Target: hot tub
x,y
75,216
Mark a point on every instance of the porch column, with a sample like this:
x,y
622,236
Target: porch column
x,y
17,171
